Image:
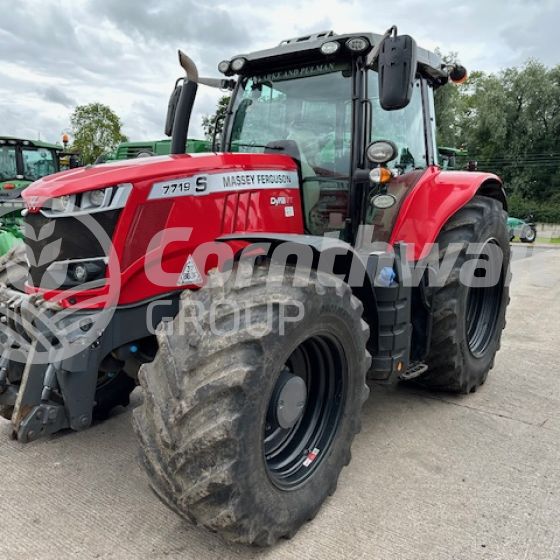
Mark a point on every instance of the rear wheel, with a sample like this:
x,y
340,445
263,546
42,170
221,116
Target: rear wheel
x,y
246,433
529,235
468,321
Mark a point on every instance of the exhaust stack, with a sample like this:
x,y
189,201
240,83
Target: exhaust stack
x,y
185,104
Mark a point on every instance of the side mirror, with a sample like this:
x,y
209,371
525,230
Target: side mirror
x,y
396,69
172,107
218,133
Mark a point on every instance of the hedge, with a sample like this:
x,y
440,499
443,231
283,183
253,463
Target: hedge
x,y
546,212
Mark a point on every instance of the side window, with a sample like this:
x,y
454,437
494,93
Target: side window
x,y
37,163
404,127
260,117
8,168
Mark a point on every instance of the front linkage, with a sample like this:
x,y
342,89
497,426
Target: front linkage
x,y
34,383
52,372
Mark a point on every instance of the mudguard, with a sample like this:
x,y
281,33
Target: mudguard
x,y
435,197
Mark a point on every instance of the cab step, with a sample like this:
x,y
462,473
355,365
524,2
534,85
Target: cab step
x,y
414,370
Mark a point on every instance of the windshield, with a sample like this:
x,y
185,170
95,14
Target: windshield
x,y
8,168
38,162
310,105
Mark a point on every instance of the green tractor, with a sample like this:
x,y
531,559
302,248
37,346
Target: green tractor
x,y
525,229
452,158
21,162
130,150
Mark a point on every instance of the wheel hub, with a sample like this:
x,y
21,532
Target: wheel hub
x,y
290,399
304,410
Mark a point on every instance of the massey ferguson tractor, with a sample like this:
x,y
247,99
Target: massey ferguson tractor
x,y
251,292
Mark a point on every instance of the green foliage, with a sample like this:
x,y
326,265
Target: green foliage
x,y
96,130
209,122
509,122
520,207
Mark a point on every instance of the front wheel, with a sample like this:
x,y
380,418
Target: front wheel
x,y
468,319
249,418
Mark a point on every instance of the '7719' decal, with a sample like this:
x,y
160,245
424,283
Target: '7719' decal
x,y
198,185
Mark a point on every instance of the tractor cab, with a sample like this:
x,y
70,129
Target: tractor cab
x,y
25,161
323,100
21,163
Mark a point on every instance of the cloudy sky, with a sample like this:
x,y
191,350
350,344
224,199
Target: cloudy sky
x,y
55,54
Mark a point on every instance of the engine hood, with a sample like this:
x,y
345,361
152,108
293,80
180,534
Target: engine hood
x,y
145,169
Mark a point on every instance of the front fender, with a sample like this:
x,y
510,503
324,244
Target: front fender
x,y
433,200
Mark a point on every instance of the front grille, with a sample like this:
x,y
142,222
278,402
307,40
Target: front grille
x,y
50,240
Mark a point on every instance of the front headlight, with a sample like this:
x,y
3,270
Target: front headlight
x,y
63,204
95,199
89,202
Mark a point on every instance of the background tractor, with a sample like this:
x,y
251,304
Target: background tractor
x,y
22,162
252,291
130,150
524,229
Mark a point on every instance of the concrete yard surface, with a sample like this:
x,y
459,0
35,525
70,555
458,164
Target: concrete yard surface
x,y
433,476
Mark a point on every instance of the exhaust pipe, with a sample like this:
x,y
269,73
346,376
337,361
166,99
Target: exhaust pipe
x,y
185,105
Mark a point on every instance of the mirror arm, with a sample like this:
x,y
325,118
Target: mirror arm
x,y
374,53
217,83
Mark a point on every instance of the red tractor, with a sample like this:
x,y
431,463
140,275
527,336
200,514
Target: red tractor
x,y
251,292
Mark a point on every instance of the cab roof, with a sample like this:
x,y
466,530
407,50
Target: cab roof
x,y
14,141
306,49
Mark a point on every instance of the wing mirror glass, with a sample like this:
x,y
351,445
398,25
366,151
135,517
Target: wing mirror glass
x,y
396,70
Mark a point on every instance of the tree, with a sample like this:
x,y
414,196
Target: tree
x,y
447,102
96,130
509,122
209,122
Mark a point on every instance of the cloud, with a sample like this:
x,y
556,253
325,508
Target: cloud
x,y
124,52
170,22
56,95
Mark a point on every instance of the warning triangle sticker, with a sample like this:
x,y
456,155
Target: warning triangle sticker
x,y
190,274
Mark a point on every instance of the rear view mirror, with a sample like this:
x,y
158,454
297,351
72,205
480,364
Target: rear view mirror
x,y
396,71
172,107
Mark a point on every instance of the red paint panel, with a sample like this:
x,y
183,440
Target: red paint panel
x,y
431,202
196,220
148,171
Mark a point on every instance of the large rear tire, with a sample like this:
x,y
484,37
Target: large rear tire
x,y
246,433
468,322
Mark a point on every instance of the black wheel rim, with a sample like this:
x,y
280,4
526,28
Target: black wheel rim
x,y
293,454
483,308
